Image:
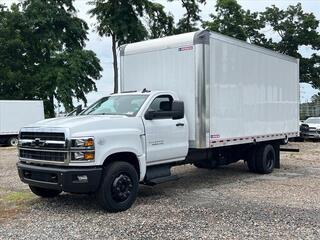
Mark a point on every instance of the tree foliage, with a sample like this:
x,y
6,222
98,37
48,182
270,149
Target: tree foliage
x,y
191,18
159,23
296,29
231,20
42,54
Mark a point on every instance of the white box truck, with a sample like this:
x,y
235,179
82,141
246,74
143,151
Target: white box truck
x,y
207,100
15,114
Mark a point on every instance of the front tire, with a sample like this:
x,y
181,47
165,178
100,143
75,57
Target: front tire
x,y
43,192
119,187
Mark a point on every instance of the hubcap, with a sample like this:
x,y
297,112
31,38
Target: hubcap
x,y
13,142
121,187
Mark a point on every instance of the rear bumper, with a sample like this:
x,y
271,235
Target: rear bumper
x,y
68,179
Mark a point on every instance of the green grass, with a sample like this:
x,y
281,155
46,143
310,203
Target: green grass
x,y
17,197
12,203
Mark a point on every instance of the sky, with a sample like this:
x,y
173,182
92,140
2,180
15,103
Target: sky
x,y
102,45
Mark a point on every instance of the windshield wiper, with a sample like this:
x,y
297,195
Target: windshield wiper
x,y
121,114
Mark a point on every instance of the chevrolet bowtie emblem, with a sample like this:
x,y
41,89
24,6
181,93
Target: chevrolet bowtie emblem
x,y
38,142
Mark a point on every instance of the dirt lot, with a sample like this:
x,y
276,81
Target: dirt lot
x,y
227,203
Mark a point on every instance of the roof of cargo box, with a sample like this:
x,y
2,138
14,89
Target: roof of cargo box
x,y
159,43
192,38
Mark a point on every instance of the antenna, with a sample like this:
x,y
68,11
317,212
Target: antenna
x,y
145,90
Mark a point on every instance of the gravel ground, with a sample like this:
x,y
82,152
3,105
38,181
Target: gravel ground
x,y
227,203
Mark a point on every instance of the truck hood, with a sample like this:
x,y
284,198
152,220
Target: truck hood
x,y
90,123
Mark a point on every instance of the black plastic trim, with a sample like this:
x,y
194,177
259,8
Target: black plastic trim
x,y
64,178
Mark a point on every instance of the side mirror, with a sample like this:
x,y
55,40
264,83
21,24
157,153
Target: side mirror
x,y
177,110
149,115
78,109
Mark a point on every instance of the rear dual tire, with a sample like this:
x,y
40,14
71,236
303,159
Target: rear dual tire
x,y
261,159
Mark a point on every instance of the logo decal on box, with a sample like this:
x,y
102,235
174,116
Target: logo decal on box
x,y
186,48
215,136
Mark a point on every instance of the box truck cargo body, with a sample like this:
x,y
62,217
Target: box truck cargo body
x,y
196,98
234,92
15,114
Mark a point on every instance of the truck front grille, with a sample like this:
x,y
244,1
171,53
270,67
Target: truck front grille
x,y
43,155
43,145
53,136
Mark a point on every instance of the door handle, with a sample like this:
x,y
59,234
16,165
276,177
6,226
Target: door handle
x,y
180,124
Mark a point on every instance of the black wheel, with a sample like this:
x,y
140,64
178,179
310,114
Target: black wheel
x,y
13,141
250,158
43,192
265,159
119,187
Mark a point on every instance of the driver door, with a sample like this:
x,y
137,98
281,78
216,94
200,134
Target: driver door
x,y
166,138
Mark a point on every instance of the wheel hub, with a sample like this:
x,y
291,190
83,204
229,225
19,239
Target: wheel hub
x,y
121,187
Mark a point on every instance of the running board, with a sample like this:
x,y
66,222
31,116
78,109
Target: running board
x,y
156,181
158,174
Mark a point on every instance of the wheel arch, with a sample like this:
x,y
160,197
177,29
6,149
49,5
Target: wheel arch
x,y
129,157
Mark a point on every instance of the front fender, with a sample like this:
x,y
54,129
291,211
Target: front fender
x,y
132,141
141,158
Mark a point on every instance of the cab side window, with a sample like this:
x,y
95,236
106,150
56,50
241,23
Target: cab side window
x,y
162,103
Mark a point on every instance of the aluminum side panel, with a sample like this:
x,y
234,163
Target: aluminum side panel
x,y
251,93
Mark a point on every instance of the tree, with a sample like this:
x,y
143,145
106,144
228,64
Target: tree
x,y
42,54
189,21
231,20
14,67
159,23
295,29
120,20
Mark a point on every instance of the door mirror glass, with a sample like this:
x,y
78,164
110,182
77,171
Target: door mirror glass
x,y
165,108
177,109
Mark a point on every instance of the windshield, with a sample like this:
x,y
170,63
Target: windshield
x,y
313,120
127,105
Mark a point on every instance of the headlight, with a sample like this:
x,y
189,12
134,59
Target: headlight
x,y
87,142
82,149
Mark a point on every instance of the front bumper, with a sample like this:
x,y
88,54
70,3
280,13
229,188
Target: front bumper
x,y
68,179
309,135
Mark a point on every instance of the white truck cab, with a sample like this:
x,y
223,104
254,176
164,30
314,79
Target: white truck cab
x,y
211,100
142,128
